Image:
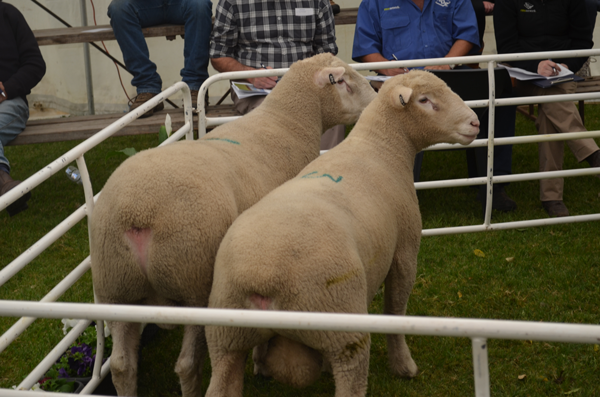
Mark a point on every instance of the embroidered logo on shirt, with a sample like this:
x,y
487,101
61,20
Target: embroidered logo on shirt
x,y
529,7
443,3
391,8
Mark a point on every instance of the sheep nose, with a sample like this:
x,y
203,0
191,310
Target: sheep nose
x,y
475,123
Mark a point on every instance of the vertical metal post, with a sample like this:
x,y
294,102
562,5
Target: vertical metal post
x,y
88,66
188,109
89,204
481,367
202,111
87,186
490,159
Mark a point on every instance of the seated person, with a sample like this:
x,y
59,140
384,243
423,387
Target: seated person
x,y
21,68
519,31
421,29
246,40
128,17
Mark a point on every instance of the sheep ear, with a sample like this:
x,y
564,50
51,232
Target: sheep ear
x,y
328,75
401,96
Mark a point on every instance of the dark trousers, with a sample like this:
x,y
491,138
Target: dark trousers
x,y
504,127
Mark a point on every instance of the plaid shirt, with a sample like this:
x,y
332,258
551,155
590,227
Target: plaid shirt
x,y
275,33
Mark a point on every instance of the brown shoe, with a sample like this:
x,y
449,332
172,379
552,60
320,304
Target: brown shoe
x,y
142,98
555,208
6,184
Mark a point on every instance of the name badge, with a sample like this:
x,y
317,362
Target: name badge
x,y
303,12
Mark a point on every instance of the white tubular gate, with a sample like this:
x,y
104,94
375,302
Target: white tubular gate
x,y
477,330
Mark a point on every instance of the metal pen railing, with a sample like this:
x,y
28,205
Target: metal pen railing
x,y
478,330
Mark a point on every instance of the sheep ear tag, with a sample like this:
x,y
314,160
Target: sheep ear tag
x,y
401,96
329,76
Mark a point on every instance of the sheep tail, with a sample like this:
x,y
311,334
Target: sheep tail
x,y
140,240
261,302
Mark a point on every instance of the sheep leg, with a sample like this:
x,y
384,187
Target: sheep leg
x,y
228,348
398,285
191,359
227,378
124,357
351,367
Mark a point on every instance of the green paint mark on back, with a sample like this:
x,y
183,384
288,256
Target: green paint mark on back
x,y
222,139
312,175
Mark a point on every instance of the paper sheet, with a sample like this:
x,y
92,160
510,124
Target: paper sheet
x,y
245,90
522,74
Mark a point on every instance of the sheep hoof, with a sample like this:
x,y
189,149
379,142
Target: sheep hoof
x,y
408,369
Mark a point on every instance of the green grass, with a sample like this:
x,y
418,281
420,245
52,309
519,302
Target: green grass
x,y
554,277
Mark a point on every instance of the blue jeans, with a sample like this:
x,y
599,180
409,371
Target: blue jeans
x,y
13,117
128,17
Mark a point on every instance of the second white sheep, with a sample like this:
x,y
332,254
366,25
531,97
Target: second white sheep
x,y
326,240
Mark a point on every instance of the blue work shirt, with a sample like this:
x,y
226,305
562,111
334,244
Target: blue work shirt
x,y
400,28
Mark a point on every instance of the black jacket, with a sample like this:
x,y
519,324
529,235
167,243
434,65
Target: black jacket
x,y
21,62
542,25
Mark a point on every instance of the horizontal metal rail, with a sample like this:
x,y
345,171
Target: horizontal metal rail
x,y
205,122
377,323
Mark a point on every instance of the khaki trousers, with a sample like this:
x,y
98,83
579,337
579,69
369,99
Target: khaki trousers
x,y
329,139
554,118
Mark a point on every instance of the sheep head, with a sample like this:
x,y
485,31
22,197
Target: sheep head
x,y
351,91
428,110
340,93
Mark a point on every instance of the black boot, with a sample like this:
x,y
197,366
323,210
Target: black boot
x,y
555,208
594,160
6,184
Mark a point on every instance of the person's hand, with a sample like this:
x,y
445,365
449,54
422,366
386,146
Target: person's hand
x,y
438,67
266,83
488,7
548,68
393,72
2,97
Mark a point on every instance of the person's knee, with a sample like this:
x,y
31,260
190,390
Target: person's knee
x,y
197,8
119,8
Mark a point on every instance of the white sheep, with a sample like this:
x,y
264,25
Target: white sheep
x,y
326,240
158,223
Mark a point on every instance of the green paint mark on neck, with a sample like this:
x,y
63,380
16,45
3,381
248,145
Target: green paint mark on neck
x,y
222,139
312,175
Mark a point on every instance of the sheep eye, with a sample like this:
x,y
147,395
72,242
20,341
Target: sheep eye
x,y
340,81
424,100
